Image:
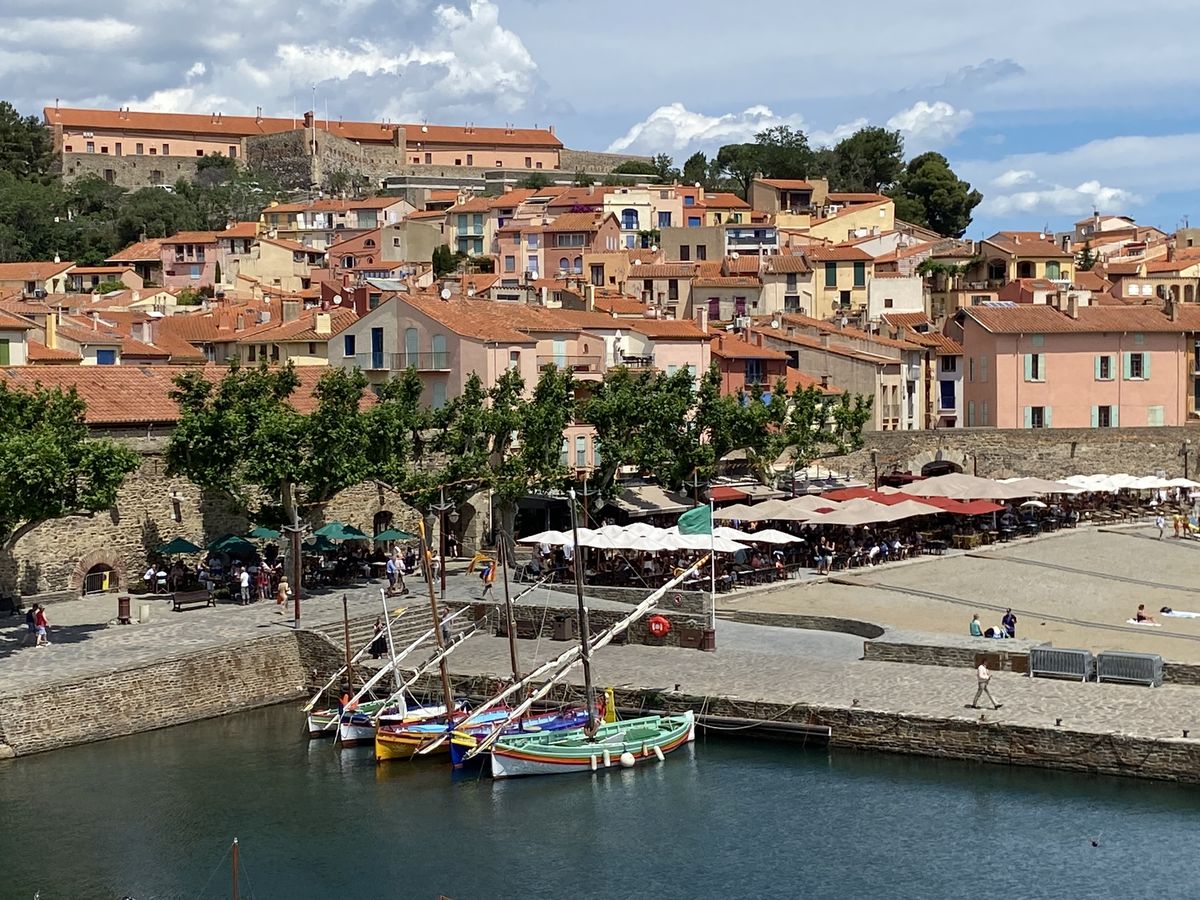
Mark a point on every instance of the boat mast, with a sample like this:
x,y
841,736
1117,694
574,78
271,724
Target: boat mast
x,y
589,689
387,619
346,632
437,626
502,552
235,869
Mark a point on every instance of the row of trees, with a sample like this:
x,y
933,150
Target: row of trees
x,y
89,220
925,188
242,435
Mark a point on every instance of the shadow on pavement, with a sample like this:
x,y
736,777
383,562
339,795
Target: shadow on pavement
x,y
11,637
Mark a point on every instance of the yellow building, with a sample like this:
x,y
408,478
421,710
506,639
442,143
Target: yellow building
x,y
1009,255
847,217
841,276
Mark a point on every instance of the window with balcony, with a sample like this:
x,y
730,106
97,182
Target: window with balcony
x,y
755,372
514,359
91,146
564,453
531,265
946,395
596,276
440,358
412,344
564,264
830,274
577,265
629,220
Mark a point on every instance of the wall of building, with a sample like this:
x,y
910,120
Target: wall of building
x,y
131,172
594,162
895,295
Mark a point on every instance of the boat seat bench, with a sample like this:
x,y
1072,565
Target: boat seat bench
x,y
184,598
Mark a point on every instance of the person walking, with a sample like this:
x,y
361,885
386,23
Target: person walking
x,y
244,584
30,626
281,596
1160,523
984,678
378,640
41,626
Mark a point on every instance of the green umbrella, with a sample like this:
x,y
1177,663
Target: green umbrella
x,y
339,531
394,534
232,544
263,534
177,546
319,544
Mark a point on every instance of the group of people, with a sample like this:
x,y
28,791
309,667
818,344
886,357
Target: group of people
x,y
1006,629
37,628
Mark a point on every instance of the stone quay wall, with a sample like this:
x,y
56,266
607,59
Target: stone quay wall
x,y
1046,452
131,172
167,692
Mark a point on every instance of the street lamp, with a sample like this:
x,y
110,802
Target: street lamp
x,y
441,509
1184,450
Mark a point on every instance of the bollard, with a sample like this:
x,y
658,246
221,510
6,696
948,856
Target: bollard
x,y
143,613
123,615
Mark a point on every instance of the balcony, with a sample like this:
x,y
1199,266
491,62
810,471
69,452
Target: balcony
x,y
395,362
638,363
579,365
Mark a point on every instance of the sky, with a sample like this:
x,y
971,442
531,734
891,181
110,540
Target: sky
x,y
1050,110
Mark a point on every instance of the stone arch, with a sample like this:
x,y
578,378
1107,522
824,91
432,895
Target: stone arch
x,y
88,561
381,521
938,462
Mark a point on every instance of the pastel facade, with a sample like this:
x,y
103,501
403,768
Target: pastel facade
x,y
189,259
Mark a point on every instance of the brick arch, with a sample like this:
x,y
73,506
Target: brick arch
x,y
919,462
110,558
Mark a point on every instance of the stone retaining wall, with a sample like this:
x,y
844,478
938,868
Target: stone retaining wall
x,y
811,623
694,602
168,692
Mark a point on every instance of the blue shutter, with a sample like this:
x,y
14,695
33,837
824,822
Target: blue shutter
x,y
970,413
1046,420
1028,416
1041,359
1146,366
1097,362
1125,365
1095,417
1115,417
1028,367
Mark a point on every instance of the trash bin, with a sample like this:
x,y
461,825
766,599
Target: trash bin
x,y
123,615
565,628
708,641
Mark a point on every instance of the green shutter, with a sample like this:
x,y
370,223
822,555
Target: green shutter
x,y
1041,367
1095,417
1125,365
830,274
1097,362
5,357
970,413
1028,416
1146,366
1029,367
1115,417
1046,420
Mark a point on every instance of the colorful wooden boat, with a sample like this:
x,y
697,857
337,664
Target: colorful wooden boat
x,y
322,722
466,739
621,744
359,727
403,741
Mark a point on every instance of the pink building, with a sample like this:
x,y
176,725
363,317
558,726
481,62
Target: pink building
x,y
189,259
1089,367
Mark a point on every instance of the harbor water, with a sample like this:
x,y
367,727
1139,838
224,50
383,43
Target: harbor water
x,y
152,817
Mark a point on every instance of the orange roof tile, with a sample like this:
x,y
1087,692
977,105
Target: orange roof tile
x,y
1031,319
728,346
787,265
905,319
581,221
100,270
1030,244
721,200
32,271
191,237
799,380
36,352
838,254
857,198
663,270
666,329
786,184
142,251
727,281
301,330
621,306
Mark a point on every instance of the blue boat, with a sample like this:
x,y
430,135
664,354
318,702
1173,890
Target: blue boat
x,y
464,740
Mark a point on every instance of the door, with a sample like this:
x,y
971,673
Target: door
x,y
376,348
560,354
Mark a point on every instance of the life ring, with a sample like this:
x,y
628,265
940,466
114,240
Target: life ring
x,y
659,626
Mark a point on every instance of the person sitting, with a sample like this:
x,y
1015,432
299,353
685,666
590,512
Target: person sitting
x,y
976,627
1142,616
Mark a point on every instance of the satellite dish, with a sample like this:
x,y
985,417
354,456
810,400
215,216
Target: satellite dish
x,y
445,293
654,248
637,262
733,255
337,299
697,184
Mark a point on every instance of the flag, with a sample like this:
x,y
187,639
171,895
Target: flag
x,y
696,521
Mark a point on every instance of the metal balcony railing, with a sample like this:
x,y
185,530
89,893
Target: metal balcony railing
x,y
394,362
578,364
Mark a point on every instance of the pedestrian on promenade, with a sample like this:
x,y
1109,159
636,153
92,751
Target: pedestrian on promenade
x,y
1010,623
281,596
1177,524
244,584
262,582
1160,523
976,627
30,626
984,677
41,626
379,641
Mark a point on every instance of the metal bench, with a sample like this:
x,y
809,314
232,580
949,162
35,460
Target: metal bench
x,y
1130,668
188,598
1056,662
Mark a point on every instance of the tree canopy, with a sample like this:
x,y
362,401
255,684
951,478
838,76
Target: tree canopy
x,y
928,193
49,465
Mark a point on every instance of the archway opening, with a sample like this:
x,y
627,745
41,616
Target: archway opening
x,y
939,467
99,579
381,523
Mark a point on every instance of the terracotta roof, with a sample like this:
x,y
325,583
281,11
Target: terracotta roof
x,y
663,270
479,319
13,322
786,184
356,243
727,281
191,237
32,271
300,330
787,265
1091,281
100,270
905,319
797,379
838,254
422,215
1029,244
728,346
579,196
741,265
1131,268
142,251
479,283
244,126
1048,320
294,246
853,197
1176,265
815,343
240,230
823,327
647,257
621,306
666,329
36,352
472,204
944,344
582,221
722,200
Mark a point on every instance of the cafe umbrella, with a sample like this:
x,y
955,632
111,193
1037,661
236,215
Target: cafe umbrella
x,y
178,547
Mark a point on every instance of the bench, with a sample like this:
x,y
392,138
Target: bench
x,y
182,598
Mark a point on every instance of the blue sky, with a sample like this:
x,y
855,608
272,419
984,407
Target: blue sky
x,y
1048,109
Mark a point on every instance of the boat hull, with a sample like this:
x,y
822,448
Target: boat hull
x,y
552,754
359,729
403,741
464,742
322,723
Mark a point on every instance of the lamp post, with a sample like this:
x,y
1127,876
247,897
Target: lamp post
x,y
875,466
1184,450
441,508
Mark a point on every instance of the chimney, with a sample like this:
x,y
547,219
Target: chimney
x,y
1072,304
258,115
702,317
825,340
241,323
324,324
544,293
291,310
308,119
720,342
51,332
825,381
758,338
1171,308
95,320
135,296
589,297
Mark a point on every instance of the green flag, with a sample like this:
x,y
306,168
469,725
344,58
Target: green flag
x,y
696,521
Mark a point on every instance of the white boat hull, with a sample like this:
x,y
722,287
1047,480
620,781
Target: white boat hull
x,y
351,734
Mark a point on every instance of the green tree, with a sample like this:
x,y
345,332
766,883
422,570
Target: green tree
x,y
50,466
444,261
635,167
534,181
26,149
784,152
242,436
107,287
695,169
1086,258
868,161
584,179
928,193
740,163
154,212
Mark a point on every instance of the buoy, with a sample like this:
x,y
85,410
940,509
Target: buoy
x,y
658,752
607,758
593,762
627,760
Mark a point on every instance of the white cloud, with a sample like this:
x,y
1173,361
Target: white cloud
x,y
1060,200
197,69
66,31
1013,177
927,126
